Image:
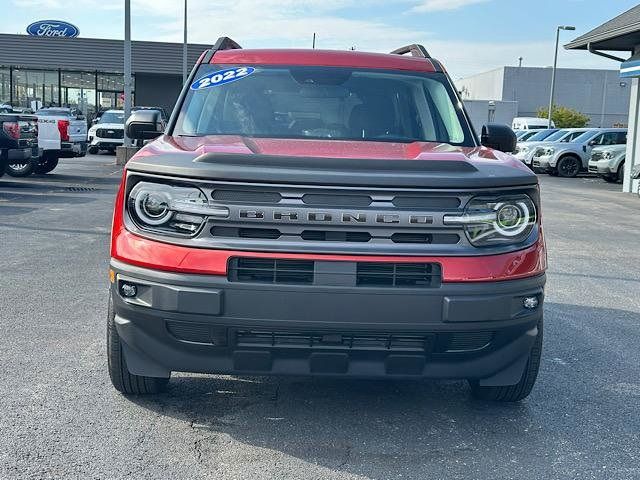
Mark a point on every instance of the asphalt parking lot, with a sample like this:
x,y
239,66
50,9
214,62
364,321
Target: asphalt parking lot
x,y
60,417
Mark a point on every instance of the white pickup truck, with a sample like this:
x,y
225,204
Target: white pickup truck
x,y
62,133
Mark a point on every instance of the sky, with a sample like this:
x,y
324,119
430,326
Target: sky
x,y
468,36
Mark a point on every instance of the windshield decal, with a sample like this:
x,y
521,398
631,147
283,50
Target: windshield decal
x,y
221,77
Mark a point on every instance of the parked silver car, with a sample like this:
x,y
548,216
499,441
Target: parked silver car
x,y
525,150
608,162
568,159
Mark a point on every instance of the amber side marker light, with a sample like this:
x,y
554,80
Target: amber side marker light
x,y
112,276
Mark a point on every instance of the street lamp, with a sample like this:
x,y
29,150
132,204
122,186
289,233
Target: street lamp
x,y
555,63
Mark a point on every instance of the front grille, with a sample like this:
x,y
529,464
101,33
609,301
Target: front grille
x,y
596,156
265,270
408,275
110,133
340,341
339,220
353,274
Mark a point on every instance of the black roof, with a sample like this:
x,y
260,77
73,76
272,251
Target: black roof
x,y
621,33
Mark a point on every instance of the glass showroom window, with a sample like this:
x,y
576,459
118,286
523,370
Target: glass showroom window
x,y
110,90
5,85
79,91
34,89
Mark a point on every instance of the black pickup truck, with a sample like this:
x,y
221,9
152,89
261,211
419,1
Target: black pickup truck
x,y
18,139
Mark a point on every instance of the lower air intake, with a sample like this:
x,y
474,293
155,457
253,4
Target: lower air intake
x,y
266,270
407,275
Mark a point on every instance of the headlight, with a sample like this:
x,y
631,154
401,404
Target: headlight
x,y
522,149
549,151
496,221
163,208
607,155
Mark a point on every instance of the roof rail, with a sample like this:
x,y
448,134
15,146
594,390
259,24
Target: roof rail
x,y
225,43
415,49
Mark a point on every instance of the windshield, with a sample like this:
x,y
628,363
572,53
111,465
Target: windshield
x,y
539,136
323,103
112,117
583,137
554,137
527,136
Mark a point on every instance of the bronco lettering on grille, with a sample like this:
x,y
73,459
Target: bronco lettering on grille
x,y
305,216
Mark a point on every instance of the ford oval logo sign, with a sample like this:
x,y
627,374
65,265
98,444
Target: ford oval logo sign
x,y
52,28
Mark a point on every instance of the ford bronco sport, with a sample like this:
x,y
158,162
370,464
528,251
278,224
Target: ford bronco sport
x,y
325,213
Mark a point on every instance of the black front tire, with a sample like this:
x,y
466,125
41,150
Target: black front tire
x,y
46,165
93,150
122,380
569,166
522,389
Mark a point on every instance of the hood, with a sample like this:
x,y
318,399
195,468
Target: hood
x,y
234,157
611,148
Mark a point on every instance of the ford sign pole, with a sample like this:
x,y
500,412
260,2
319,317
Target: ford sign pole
x,y
127,67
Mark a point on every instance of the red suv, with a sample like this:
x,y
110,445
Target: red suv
x,y
325,213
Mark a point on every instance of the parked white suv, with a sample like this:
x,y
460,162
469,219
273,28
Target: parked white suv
x,y
608,162
107,133
525,151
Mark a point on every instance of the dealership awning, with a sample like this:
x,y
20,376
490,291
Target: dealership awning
x,y
621,33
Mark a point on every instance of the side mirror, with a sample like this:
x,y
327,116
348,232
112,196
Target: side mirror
x,y
499,137
592,143
144,125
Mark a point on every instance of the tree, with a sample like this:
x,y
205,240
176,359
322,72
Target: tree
x,y
565,117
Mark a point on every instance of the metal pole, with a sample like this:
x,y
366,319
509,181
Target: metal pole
x,y
314,41
127,66
184,47
553,76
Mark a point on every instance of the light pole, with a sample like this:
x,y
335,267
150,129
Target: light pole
x,y
127,66
555,63
184,46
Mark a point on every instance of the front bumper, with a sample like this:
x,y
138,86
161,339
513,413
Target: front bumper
x,y
543,163
601,167
209,324
105,143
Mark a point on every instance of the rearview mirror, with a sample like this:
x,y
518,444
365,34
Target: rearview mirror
x,y
144,125
499,137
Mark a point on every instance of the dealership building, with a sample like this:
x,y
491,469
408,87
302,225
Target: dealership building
x,y
600,94
87,73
